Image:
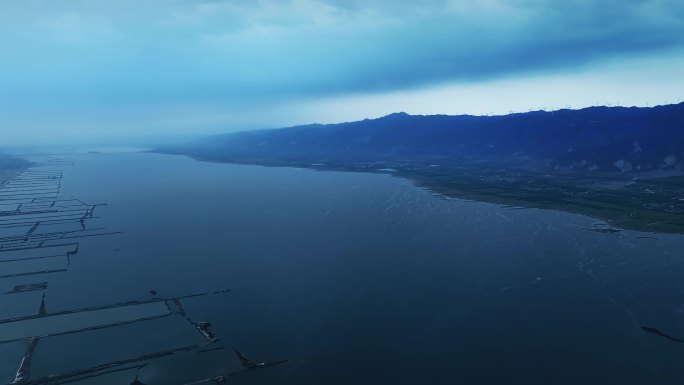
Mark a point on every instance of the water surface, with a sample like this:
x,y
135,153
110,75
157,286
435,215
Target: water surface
x,y
361,278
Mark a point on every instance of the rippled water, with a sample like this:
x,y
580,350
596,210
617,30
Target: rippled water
x,y
357,279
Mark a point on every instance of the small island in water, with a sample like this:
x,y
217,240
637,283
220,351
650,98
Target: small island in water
x,y
623,165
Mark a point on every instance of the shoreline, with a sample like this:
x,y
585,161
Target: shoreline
x,y
648,205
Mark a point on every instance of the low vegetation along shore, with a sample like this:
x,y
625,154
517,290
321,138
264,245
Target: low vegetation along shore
x,y
651,205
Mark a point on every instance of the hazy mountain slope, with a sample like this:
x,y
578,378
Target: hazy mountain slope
x,y
624,165
597,138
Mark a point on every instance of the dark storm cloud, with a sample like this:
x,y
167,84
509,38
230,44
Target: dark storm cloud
x,y
83,55
238,50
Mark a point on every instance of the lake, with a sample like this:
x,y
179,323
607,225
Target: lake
x,y
356,278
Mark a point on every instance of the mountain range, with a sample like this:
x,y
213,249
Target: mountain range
x,y
610,139
623,165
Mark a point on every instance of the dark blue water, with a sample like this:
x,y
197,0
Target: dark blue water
x,y
361,279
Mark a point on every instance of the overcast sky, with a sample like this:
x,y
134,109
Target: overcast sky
x,y
88,69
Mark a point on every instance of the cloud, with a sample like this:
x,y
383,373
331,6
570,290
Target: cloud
x,y
101,54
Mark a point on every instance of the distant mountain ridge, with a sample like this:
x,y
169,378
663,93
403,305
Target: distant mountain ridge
x,y
624,165
612,139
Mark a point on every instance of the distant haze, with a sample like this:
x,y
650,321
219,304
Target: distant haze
x,y
93,71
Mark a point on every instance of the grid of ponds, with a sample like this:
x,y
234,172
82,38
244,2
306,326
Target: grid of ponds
x,y
40,229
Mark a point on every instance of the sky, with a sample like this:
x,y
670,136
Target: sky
x,y
80,70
